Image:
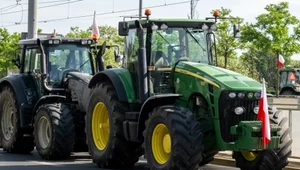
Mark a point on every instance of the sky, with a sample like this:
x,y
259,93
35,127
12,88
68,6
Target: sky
x,y
110,12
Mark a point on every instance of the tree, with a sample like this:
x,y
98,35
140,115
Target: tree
x,y
275,32
226,43
8,49
108,34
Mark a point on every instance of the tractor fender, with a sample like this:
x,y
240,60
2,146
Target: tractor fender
x,y
150,104
25,94
287,88
45,100
115,80
49,99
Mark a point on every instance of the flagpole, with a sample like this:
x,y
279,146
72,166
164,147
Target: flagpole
x,y
277,77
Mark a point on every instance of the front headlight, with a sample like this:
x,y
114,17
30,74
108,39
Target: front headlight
x,y
257,95
239,110
232,95
255,110
241,95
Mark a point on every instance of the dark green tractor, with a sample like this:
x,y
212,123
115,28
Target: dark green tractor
x,y
170,103
289,81
45,104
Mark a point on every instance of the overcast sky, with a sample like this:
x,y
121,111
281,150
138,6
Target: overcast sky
x,y
247,9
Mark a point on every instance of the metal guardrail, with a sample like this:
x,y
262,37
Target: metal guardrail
x,y
288,103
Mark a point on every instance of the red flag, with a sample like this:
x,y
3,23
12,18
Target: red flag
x,y
263,115
280,61
95,30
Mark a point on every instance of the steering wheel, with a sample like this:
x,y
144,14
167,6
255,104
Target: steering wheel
x,y
65,72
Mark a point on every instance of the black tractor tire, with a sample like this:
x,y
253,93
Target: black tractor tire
x,y
11,135
116,151
80,139
288,92
274,159
180,126
54,131
208,156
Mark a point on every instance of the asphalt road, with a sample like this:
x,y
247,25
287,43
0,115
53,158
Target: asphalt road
x,y
78,161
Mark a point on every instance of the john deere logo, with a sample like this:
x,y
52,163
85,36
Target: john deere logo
x,y
250,95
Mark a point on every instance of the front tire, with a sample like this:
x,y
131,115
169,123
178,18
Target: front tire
x,y
274,159
104,126
11,135
173,139
54,131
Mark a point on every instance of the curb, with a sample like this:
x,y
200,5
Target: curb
x,y
226,160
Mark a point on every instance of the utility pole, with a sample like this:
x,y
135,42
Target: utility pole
x,y
32,18
141,9
193,7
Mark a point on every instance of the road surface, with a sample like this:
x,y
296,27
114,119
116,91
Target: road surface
x,y
79,161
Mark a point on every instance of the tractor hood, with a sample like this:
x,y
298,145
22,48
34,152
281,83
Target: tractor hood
x,y
217,76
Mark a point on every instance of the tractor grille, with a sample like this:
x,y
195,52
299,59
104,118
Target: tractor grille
x,y
227,116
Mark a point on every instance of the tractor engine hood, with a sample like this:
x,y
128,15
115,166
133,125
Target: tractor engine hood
x,y
225,79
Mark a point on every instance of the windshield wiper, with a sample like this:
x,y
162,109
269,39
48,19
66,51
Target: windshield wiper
x,y
83,64
186,30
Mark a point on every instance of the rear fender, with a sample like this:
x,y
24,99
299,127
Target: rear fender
x,y
25,94
121,80
150,104
47,99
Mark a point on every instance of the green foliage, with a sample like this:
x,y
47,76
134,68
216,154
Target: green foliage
x,y
8,49
271,36
108,34
226,43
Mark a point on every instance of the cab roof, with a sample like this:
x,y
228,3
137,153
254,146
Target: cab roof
x,y
289,69
174,22
61,39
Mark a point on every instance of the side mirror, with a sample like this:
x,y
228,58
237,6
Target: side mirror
x,y
123,28
16,61
236,31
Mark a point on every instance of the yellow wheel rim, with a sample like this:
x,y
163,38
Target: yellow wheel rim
x,y
161,144
249,156
100,126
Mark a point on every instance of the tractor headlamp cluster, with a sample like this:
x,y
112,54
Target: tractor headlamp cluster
x,y
244,95
54,41
84,42
239,110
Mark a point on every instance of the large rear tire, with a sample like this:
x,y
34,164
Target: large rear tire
x,y
275,159
80,139
104,128
208,156
54,131
173,139
11,136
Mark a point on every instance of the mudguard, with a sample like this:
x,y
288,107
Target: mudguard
x,y
26,95
78,84
150,104
112,75
49,99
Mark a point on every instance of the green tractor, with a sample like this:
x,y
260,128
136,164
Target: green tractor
x,y
170,103
45,104
289,81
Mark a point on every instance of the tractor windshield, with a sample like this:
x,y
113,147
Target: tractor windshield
x,y
289,78
68,56
169,46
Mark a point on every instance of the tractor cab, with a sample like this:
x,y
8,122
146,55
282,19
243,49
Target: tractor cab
x,y
289,81
167,41
49,60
